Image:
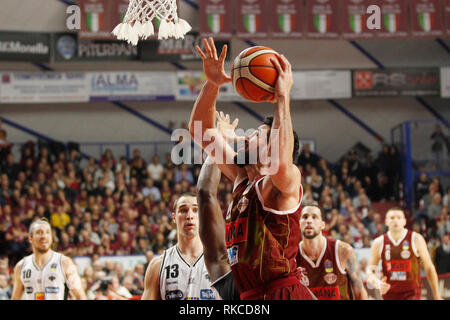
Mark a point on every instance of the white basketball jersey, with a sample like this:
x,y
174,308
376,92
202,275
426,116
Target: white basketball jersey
x,y
180,281
43,284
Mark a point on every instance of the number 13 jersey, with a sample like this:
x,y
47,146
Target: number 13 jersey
x,y
178,280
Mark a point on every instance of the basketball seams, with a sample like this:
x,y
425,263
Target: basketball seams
x,y
254,87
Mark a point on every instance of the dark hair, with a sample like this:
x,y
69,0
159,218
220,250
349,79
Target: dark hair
x,y
186,194
315,205
269,121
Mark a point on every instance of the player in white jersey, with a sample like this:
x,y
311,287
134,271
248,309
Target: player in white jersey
x,y
180,273
45,274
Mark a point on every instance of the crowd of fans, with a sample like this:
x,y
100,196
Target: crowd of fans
x,y
116,207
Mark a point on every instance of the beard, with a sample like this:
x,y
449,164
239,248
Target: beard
x,y
42,250
310,236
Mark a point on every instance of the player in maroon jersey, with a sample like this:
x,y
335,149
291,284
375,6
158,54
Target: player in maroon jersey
x,y
401,251
329,266
262,223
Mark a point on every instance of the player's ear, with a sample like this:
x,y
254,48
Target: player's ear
x,y
322,225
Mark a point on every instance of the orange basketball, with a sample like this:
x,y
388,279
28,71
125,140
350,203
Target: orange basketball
x,y
254,75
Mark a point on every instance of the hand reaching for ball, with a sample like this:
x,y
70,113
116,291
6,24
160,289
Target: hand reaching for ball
x,y
226,128
212,64
285,78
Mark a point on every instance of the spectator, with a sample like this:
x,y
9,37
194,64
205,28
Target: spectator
x,y
439,141
435,207
446,199
307,157
59,219
442,256
16,235
150,189
5,288
155,170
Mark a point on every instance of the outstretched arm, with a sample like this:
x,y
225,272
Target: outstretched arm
x,y
428,265
348,257
203,115
212,225
287,178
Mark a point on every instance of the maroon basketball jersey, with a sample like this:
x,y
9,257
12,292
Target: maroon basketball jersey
x,y
326,278
401,265
262,243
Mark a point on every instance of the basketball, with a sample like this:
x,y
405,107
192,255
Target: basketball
x,y
254,75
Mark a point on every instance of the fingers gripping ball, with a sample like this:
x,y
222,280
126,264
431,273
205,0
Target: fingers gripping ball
x,y
254,75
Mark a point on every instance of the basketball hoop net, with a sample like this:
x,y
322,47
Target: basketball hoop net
x,y
138,21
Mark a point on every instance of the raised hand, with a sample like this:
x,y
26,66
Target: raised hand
x,y
227,129
285,78
212,64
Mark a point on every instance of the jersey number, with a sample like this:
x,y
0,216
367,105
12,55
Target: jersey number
x,y
171,271
27,274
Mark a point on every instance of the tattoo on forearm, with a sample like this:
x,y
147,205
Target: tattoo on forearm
x,y
352,270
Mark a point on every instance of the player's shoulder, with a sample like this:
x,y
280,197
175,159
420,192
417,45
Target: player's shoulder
x,y
378,240
344,248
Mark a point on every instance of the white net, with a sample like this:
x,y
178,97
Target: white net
x,y
140,16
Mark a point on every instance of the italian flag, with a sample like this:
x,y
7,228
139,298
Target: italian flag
x,y
215,22
251,22
426,21
157,22
322,22
286,22
94,21
391,22
356,21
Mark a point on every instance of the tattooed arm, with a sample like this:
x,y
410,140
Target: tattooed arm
x,y
350,264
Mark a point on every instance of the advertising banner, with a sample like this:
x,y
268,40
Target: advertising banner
x,y
396,82
321,85
177,49
354,19
216,18
287,19
251,19
24,46
66,47
38,87
426,18
131,86
394,15
96,19
322,19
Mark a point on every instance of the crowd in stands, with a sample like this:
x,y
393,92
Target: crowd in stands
x,y
116,207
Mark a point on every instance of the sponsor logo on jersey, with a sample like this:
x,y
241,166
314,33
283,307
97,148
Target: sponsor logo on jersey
x,y
52,290
174,295
207,294
387,253
191,280
53,267
398,276
405,254
233,255
192,298
236,231
328,265
39,296
326,293
330,278
398,265
29,290
52,278
405,245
